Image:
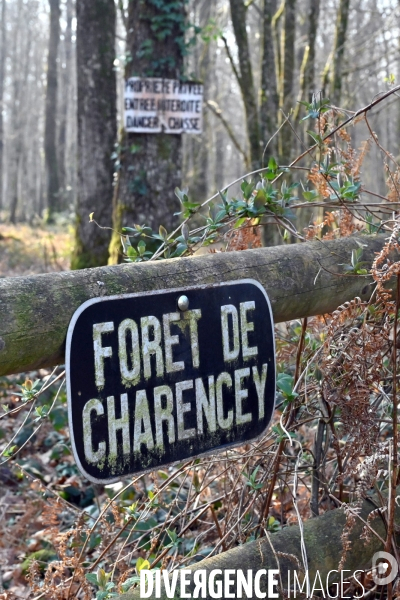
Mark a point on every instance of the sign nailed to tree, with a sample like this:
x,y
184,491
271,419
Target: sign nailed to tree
x,y
155,105
162,377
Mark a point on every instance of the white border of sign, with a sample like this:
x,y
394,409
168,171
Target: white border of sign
x,y
170,105
71,327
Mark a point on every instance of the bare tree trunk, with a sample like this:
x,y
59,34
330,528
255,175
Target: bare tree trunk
x,y
220,150
204,67
269,99
16,149
246,81
269,94
97,129
50,134
288,57
338,51
150,163
309,74
307,89
2,73
220,144
64,103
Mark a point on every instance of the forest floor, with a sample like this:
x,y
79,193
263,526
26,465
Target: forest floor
x,y
27,250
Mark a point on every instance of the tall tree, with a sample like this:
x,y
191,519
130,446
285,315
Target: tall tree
x,y
269,95
97,129
286,100
309,75
2,75
20,54
338,51
50,134
260,109
197,166
150,164
246,80
65,97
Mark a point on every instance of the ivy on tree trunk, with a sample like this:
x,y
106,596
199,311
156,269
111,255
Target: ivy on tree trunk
x,y
150,164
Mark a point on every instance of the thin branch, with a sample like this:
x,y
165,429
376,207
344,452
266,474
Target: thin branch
x,y
231,60
215,109
363,111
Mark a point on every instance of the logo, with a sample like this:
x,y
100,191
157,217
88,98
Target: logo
x,y
384,568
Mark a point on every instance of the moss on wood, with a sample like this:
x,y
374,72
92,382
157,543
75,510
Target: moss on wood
x,y
323,542
301,280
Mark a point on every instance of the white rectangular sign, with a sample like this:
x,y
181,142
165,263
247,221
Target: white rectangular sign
x,y
155,105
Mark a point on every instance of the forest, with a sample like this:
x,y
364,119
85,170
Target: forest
x,y
230,170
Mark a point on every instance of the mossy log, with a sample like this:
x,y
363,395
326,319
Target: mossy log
x,y
324,548
301,280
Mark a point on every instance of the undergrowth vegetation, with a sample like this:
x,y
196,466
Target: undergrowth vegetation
x,y
334,433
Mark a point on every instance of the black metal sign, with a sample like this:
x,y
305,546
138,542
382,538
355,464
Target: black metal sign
x,y
160,377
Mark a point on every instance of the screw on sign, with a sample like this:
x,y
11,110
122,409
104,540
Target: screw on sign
x,y
160,377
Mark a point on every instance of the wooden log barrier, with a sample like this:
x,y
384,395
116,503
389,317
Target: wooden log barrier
x,y
324,549
300,279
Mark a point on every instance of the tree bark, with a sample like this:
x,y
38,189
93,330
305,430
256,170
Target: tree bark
x,y
287,98
309,75
300,280
2,75
324,546
150,164
269,94
338,51
198,168
220,149
50,134
20,56
66,71
246,81
97,129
